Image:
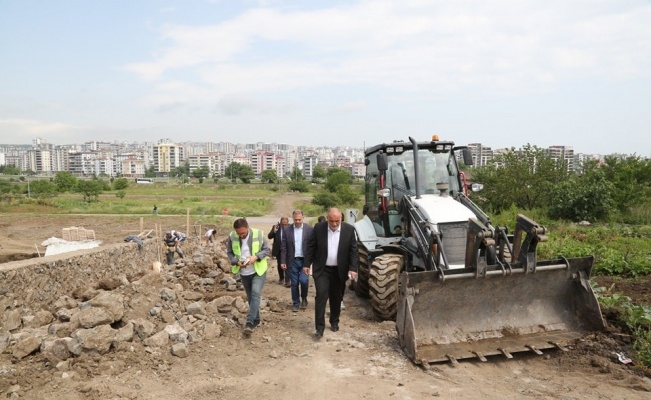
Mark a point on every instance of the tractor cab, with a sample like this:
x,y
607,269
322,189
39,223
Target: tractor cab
x,y
394,171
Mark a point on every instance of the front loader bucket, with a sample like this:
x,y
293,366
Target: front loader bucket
x,y
463,316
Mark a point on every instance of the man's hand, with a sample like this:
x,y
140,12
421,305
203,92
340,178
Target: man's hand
x,y
306,271
352,275
283,266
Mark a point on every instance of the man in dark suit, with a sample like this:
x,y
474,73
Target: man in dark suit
x,y
292,257
332,252
276,233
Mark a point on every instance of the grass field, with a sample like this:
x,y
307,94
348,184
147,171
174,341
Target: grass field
x,y
170,199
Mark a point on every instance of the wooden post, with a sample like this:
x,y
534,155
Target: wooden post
x,y
141,224
187,221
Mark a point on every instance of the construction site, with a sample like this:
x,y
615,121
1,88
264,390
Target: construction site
x,y
115,322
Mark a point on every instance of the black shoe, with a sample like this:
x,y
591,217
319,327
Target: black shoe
x,y
304,303
295,308
255,324
334,327
318,334
248,329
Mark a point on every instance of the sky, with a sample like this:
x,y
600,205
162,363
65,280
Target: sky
x,y
328,73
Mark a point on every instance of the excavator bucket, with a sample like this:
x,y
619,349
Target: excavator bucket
x,y
460,315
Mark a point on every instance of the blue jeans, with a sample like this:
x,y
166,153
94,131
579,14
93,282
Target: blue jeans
x,y
299,278
253,285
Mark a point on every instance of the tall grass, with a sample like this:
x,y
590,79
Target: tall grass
x,y
170,200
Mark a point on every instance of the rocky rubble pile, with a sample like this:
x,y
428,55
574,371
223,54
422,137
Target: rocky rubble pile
x,y
158,312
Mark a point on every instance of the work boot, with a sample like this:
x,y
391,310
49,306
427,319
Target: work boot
x,y
248,329
304,303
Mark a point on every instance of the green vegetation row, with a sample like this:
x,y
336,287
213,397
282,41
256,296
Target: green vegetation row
x,y
632,319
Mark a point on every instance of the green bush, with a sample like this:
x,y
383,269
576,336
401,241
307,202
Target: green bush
x,y
635,319
326,199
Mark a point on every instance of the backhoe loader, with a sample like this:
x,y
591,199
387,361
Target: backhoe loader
x,y
457,286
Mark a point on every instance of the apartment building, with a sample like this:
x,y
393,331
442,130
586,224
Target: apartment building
x,y
167,157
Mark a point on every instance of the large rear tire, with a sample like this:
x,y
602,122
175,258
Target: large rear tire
x,y
361,285
383,285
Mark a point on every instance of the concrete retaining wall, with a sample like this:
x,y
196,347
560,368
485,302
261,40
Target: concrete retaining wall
x,y
38,282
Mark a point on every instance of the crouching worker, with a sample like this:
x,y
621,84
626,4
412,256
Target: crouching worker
x,y
171,246
209,236
247,251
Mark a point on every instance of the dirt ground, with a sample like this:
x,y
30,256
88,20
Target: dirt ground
x,y
282,360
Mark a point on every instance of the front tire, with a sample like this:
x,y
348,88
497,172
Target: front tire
x,y
383,285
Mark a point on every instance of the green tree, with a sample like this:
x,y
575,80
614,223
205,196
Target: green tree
x,y
6,186
246,174
319,173
333,170
90,189
326,199
631,177
10,170
120,194
105,185
522,178
65,181
348,195
583,197
201,172
239,171
42,188
269,176
120,184
150,173
181,170
296,174
338,177
299,186
232,171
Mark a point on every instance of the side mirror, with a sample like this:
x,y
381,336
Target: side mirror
x,y
382,162
467,156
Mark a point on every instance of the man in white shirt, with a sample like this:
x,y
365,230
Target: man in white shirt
x,y
292,257
332,252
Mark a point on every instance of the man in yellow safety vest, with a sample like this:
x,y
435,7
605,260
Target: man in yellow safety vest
x,y
247,251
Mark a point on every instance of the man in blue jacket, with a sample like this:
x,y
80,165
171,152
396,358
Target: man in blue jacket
x,y
292,255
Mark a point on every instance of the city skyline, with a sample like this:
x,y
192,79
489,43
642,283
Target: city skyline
x,y
342,73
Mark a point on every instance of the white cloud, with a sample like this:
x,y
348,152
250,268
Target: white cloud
x,y
429,47
352,106
16,126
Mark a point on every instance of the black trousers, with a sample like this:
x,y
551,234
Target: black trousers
x,y
329,289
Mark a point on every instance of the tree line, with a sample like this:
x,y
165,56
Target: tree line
x,y
616,189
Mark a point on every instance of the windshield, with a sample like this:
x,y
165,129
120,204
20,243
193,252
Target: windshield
x,y
434,168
